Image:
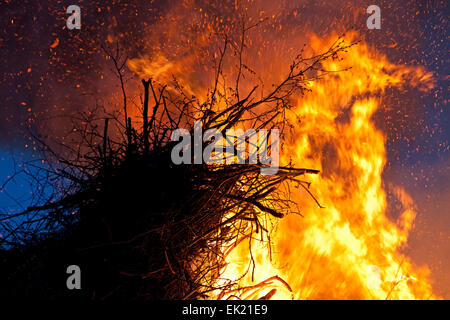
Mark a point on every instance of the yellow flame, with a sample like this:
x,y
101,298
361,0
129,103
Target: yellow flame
x,y
350,249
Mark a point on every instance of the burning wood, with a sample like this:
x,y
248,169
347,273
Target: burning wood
x,y
163,225
260,184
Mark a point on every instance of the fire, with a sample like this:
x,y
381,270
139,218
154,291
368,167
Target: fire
x,y
350,249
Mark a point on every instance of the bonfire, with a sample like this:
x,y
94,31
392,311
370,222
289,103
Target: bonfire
x,y
146,227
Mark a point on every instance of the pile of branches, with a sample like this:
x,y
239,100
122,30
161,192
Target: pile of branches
x,y
139,226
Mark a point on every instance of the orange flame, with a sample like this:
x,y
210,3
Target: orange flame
x,y
350,249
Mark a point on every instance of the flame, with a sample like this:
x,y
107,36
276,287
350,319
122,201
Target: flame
x,y
351,248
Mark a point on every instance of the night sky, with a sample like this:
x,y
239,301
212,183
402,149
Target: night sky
x,y
49,73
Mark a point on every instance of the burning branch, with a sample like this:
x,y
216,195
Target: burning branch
x,y
162,228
